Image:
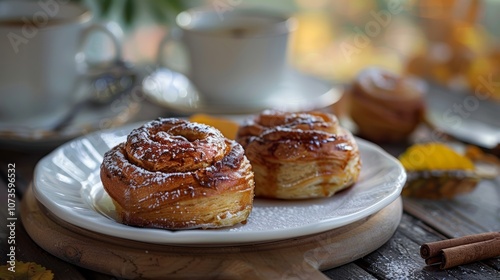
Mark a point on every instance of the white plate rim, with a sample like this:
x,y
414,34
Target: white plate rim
x,y
91,220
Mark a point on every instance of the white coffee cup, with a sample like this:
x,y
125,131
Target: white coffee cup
x,y
235,57
41,54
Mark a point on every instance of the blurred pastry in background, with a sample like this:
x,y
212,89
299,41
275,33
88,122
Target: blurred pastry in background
x,y
445,64
386,107
484,76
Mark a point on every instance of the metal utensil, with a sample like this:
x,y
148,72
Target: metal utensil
x,y
107,83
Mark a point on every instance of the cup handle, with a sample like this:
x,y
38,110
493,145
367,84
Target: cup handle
x,y
112,30
174,36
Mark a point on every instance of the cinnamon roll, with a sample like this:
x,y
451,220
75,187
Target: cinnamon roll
x,y
386,107
299,155
174,174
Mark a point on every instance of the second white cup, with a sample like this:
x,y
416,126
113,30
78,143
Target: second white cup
x,y
235,57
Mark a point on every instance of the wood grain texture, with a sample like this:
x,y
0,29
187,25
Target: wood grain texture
x,y
298,258
350,271
28,251
400,259
471,213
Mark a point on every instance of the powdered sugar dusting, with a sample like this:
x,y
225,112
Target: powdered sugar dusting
x,y
285,214
90,206
169,144
276,215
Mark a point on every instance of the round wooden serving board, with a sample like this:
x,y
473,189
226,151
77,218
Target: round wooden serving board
x,y
297,258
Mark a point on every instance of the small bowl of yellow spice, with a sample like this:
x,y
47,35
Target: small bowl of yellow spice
x,y
437,171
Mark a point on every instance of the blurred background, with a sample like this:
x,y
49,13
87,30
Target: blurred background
x,y
452,42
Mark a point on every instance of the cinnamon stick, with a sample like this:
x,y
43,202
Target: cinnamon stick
x,y
434,260
470,253
433,249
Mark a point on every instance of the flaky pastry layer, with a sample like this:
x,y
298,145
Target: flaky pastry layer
x,y
177,175
299,155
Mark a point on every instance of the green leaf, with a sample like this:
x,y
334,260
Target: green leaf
x,y
167,9
105,7
175,5
163,11
128,12
157,11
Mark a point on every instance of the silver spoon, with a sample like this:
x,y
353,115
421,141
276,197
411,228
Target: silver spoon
x,y
106,85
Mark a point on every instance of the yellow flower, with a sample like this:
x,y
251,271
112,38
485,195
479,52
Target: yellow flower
x,y
434,156
22,270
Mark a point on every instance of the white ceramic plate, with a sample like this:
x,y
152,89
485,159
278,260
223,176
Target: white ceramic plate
x,y
297,92
67,182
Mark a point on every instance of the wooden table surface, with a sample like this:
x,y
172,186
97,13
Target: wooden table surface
x,y
422,221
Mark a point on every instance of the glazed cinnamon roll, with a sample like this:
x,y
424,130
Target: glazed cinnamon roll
x,y
299,155
174,174
386,107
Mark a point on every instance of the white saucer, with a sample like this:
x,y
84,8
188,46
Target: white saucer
x,y
35,133
297,92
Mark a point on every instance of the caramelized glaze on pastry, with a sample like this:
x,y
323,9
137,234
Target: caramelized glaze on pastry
x,y
299,155
386,107
174,174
